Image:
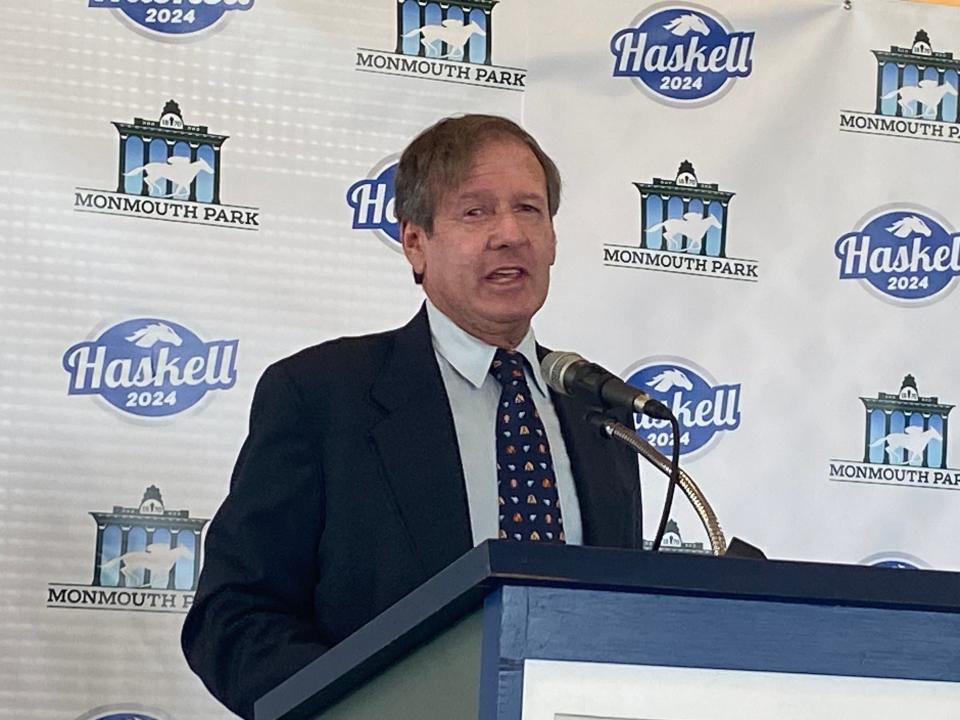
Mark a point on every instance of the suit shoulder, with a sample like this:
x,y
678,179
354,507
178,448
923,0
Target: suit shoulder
x,y
354,359
349,354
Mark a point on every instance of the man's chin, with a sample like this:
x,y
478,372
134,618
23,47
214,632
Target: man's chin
x,y
515,312
516,295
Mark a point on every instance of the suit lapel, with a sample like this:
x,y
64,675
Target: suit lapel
x,y
417,444
418,447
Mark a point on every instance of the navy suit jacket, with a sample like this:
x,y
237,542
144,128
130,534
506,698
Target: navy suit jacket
x,y
349,493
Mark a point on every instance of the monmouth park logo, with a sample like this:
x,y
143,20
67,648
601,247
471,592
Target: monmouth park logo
x,y
673,542
449,42
682,54
168,170
372,202
905,442
901,253
150,368
173,19
146,558
683,229
703,407
915,94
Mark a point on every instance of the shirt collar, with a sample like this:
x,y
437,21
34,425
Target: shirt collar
x,y
470,356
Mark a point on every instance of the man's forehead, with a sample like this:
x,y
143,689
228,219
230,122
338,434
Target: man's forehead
x,y
468,191
500,144
488,160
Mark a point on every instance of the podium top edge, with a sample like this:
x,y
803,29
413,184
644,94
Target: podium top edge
x,y
461,587
705,575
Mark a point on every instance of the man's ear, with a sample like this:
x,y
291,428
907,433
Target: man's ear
x,y
413,237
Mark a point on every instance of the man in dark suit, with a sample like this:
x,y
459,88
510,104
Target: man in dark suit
x,y
373,462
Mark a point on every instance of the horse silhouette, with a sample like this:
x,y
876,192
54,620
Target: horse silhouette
x,y
452,32
150,335
692,226
913,439
158,558
687,24
669,379
177,169
927,92
905,227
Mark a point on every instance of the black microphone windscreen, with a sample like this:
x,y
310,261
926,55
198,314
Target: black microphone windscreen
x,y
554,367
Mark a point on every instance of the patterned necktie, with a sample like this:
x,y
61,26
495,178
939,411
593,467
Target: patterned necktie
x,y
526,484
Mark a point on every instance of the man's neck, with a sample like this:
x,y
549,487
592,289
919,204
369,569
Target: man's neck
x,y
469,355
507,336
508,339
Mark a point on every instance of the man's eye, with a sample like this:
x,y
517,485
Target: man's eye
x,y
529,208
473,212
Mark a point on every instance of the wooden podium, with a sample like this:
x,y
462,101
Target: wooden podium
x,y
458,647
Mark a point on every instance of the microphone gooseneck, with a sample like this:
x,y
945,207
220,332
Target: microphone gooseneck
x,y
708,518
570,374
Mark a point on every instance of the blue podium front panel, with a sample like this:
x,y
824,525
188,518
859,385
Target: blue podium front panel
x,y
753,635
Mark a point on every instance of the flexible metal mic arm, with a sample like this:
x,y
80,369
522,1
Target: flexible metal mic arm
x,y
619,431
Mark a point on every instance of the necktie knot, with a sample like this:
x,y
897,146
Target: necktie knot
x,y
507,367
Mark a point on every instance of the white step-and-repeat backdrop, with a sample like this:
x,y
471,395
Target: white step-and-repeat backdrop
x,y
759,226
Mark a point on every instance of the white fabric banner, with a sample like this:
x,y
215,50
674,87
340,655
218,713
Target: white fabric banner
x,y
769,253
757,226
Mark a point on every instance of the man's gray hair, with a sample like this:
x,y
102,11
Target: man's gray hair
x,y
439,158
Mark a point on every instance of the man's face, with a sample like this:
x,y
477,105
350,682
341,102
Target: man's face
x,y
486,265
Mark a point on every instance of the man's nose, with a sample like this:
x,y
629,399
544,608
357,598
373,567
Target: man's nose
x,y
508,229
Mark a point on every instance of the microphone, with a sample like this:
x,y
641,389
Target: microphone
x,y
570,374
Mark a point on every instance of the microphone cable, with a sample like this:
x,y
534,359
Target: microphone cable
x,y
671,483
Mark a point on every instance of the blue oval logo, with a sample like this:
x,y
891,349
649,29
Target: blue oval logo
x,y
904,253
702,406
895,564
372,200
150,367
125,711
682,54
895,561
174,17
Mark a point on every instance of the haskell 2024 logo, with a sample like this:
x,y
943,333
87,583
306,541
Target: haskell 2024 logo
x,y
372,201
170,171
902,253
449,42
125,711
905,442
703,407
146,558
682,54
173,20
916,94
150,368
895,560
683,229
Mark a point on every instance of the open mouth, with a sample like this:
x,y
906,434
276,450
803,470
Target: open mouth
x,y
506,274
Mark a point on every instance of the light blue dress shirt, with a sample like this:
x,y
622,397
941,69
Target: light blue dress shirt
x,y
474,393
